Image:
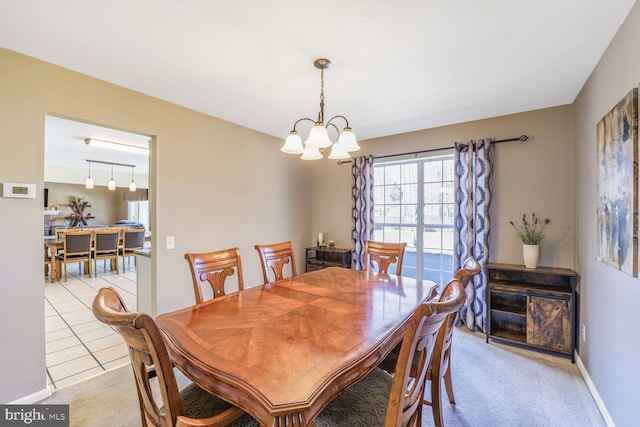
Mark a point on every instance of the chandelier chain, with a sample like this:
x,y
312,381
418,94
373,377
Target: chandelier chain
x,y
321,115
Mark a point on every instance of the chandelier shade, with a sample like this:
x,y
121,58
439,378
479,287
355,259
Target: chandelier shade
x,y
293,144
318,138
348,139
311,153
339,152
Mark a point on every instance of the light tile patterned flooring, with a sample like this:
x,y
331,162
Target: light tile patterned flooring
x,y
79,346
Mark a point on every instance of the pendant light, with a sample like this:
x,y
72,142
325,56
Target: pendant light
x,y
132,184
89,182
112,183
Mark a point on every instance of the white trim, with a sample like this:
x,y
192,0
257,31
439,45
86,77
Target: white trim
x,y
33,397
594,392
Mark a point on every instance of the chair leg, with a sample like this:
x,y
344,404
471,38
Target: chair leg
x,y
448,384
58,270
436,401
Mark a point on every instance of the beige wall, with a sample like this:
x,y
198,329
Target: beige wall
x,y
105,205
214,185
534,176
609,298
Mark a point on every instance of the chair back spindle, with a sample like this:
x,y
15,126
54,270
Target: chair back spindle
x,y
214,268
273,258
384,255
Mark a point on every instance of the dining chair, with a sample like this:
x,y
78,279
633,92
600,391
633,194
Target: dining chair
x,y
120,230
440,365
470,268
150,358
47,260
274,257
132,240
76,248
106,247
384,255
59,233
394,401
214,267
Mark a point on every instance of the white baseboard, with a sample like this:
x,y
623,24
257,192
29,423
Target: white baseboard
x,y
33,397
594,392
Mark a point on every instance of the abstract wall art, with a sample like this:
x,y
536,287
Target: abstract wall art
x,y
617,186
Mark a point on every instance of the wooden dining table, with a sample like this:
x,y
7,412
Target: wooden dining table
x,y
282,351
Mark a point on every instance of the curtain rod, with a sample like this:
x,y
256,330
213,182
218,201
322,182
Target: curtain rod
x,y
521,138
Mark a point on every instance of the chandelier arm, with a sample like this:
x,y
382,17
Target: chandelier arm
x,y
335,117
334,126
302,120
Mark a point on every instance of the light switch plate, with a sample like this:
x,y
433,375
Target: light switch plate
x,y
170,242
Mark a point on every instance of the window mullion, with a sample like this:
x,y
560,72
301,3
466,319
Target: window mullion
x,y
420,225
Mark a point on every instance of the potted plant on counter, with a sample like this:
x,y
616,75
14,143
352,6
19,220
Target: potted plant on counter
x,y
531,232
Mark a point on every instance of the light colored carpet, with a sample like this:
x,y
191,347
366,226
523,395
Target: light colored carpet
x,y
501,385
494,385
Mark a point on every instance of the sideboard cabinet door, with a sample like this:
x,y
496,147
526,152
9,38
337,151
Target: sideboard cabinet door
x,y
549,322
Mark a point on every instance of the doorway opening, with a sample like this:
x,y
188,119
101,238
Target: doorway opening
x,y
78,346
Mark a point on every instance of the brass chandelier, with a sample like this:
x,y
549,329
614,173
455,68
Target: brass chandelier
x,y
318,138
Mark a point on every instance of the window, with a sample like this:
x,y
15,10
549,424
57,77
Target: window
x,y
414,204
139,211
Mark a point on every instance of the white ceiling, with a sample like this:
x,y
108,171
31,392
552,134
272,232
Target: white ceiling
x,y
64,145
397,66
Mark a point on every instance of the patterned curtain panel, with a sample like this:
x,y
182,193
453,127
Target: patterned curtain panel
x,y
361,207
472,182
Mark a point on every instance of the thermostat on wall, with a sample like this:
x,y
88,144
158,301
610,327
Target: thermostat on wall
x,y
21,191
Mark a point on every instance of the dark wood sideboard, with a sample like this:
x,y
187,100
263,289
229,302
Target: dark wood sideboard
x,y
322,257
533,308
